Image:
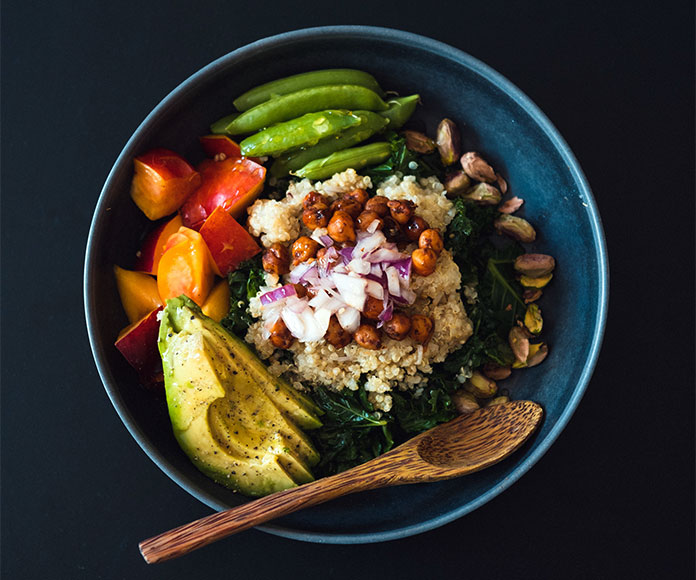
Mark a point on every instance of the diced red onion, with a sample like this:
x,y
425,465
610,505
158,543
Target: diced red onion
x,y
348,318
352,289
369,243
387,313
278,294
346,254
408,295
326,241
403,267
386,255
375,289
300,270
393,284
294,323
359,266
372,228
296,304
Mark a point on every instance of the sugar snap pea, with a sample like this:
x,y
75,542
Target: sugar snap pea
x,y
317,78
218,127
303,131
400,110
286,107
371,124
355,157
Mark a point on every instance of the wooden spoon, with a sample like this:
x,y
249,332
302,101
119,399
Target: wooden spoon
x,y
466,444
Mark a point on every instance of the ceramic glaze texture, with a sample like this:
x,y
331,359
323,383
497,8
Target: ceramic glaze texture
x,y
496,120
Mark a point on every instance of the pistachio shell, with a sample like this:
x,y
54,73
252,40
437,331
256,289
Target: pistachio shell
x,y
515,227
448,141
418,142
531,295
537,353
511,205
477,168
540,282
535,265
496,372
464,402
498,401
532,319
502,184
457,182
519,343
480,386
483,194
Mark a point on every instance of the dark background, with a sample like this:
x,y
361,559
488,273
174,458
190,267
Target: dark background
x,y
613,498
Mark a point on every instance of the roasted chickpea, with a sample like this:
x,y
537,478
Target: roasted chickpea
x,y
431,239
348,205
341,227
280,335
421,328
368,336
373,308
359,195
366,218
401,210
415,228
378,204
276,260
303,248
336,334
316,216
391,230
423,261
398,326
313,198
300,290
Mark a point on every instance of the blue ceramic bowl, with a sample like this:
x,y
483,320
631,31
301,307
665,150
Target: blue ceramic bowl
x,y
497,120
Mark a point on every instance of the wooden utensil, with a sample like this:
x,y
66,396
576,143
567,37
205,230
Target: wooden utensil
x,y
466,444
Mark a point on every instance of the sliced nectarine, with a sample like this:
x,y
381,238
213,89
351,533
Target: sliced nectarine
x,y
138,344
229,243
186,267
217,305
153,246
138,291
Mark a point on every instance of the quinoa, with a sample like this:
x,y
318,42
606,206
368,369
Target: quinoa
x,y
403,365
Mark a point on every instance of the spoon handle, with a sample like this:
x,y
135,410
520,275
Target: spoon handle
x,y
194,535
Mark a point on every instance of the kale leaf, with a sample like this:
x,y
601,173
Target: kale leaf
x,y
405,161
244,283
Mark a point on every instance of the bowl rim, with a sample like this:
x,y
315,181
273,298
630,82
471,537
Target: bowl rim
x,y
423,43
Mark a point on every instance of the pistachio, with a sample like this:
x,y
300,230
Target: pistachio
x,y
483,194
464,402
498,401
540,282
476,168
418,142
515,227
502,184
531,295
448,141
532,319
457,182
510,205
496,372
534,265
537,353
519,343
480,386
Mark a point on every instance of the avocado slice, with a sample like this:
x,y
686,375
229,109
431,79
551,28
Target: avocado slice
x,y
221,412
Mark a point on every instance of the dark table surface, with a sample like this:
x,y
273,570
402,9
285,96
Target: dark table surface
x,y
613,498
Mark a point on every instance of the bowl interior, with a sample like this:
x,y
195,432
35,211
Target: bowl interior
x,y
496,120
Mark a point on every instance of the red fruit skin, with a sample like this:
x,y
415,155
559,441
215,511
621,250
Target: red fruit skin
x,y
138,344
229,243
153,247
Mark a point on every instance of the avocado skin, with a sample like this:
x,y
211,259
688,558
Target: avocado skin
x,y
238,424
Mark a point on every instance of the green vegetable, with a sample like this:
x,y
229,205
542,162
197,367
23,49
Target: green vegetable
x,y
355,157
352,432
219,126
244,283
400,110
317,78
303,131
371,124
405,161
286,107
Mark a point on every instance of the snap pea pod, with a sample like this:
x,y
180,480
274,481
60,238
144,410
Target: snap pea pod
x,y
355,157
303,131
371,124
218,127
286,107
400,110
317,78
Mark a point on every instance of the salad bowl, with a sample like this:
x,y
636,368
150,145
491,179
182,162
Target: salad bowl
x,y
497,120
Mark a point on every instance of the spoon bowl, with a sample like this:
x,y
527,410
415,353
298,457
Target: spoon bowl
x,y
464,445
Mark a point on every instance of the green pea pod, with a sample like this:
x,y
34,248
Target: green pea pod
x,y
317,78
371,124
303,131
355,157
218,127
352,97
400,110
